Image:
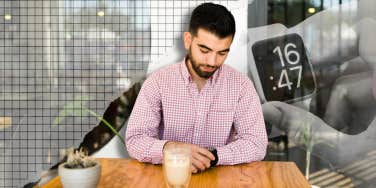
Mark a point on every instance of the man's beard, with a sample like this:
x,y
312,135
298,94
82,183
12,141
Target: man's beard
x,y
196,67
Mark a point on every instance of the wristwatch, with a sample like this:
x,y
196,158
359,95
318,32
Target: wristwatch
x,y
215,161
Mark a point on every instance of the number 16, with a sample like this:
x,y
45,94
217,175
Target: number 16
x,y
287,54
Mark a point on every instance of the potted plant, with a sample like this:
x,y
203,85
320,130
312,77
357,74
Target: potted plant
x,y
79,170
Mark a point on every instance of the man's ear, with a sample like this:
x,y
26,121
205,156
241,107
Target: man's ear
x,y
187,40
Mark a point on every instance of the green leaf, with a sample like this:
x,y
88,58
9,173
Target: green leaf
x,y
107,124
77,108
73,108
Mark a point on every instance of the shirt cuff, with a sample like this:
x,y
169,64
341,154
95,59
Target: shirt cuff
x,y
221,155
157,151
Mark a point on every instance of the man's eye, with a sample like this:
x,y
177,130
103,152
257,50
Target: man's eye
x,y
222,53
204,51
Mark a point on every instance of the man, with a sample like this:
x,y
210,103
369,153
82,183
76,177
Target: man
x,y
200,103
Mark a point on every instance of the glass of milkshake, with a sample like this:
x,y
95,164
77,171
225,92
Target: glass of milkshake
x,y
177,167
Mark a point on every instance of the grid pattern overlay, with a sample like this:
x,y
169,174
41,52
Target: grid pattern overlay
x,y
52,51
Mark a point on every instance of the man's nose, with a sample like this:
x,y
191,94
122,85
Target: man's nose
x,y
212,59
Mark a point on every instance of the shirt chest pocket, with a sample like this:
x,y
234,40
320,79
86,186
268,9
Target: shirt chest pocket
x,y
221,115
219,124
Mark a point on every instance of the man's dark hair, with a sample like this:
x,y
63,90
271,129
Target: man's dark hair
x,y
213,18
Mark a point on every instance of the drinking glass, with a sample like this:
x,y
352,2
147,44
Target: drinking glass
x,y
177,167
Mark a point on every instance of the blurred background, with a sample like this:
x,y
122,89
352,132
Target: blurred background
x,y
52,51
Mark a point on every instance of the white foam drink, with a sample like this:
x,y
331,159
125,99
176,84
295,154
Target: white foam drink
x,y
177,167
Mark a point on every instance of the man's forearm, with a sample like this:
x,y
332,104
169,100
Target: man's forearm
x,y
145,149
242,151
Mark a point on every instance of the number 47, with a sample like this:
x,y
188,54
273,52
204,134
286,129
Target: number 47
x,y
284,76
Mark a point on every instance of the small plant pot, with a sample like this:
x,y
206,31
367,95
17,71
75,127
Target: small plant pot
x,y
80,177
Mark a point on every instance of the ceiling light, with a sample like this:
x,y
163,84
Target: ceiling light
x,y
100,13
7,16
311,10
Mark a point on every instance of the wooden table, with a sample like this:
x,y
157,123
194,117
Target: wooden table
x,y
131,173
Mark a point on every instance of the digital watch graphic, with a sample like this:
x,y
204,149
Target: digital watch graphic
x,y
284,69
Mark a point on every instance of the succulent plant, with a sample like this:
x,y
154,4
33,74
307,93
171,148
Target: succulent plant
x,y
78,159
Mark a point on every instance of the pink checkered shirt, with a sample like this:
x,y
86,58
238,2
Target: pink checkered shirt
x,y
225,114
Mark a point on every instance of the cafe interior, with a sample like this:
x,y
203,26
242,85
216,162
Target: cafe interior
x,y
65,65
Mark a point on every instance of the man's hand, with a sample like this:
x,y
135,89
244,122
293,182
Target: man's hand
x,y
201,157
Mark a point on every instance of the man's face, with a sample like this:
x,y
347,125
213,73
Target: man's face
x,y
206,52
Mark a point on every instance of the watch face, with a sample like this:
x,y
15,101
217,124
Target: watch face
x,y
283,68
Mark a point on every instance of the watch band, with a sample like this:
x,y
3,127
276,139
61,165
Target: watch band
x,y
215,161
